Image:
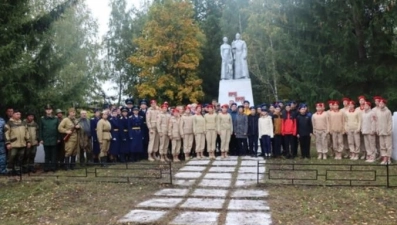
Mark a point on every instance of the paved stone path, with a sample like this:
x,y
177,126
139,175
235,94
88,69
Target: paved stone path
x,y
208,192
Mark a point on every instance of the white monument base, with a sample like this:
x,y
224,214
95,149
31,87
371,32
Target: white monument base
x,y
394,136
236,90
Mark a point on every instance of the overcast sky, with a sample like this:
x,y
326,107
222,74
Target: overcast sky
x,y
101,12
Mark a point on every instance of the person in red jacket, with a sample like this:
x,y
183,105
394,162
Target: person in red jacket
x,y
288,130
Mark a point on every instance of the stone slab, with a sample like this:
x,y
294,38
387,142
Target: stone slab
x,y
250,163
249,194
251,169
183,182
193,168
160,202
215,183
221,169
172,192
228,158
225,163
203,203
248,205
259,158
245,183
188,175
248,176
196,218
198,162
225,176
210,193
142,216
248,218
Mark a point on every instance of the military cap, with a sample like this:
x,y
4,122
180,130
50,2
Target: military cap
x,y
135,108
143,102
302,105
129,101
58,111
124,109
48,106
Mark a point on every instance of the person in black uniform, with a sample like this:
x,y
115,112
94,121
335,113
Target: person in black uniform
x,y
304,130
115,132
135,133
145,129
129,102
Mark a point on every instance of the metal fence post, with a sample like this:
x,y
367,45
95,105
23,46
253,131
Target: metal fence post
x,y
170,167
257,172
387,175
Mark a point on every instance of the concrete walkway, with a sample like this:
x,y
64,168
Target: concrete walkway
x,y
208,192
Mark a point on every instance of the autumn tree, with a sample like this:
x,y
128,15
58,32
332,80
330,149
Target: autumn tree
x,y
168,53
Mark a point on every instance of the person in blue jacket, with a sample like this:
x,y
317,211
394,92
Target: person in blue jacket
x,y
124,135
136,135
115,132
95,144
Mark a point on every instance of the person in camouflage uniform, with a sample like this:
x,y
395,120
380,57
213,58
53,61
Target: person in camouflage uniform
x,y
17,140
30,153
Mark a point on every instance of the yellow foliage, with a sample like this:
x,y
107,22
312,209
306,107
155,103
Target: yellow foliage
x,y
169,53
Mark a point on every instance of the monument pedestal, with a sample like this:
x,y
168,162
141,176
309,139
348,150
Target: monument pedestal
x,y
237,90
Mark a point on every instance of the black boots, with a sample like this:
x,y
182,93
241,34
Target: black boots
x,y
72,162
66,163
103,161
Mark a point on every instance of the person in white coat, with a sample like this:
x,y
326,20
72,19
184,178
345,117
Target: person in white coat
x,y
265,126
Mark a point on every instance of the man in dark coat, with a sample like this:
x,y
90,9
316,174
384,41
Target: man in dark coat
x,y
233,139
304,130
49,137
95,144
253,132
240,128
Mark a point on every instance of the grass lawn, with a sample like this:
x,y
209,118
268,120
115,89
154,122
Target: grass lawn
x,y
332,205
62,201
300,204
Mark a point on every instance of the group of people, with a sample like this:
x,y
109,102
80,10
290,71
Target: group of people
x,y
131,133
